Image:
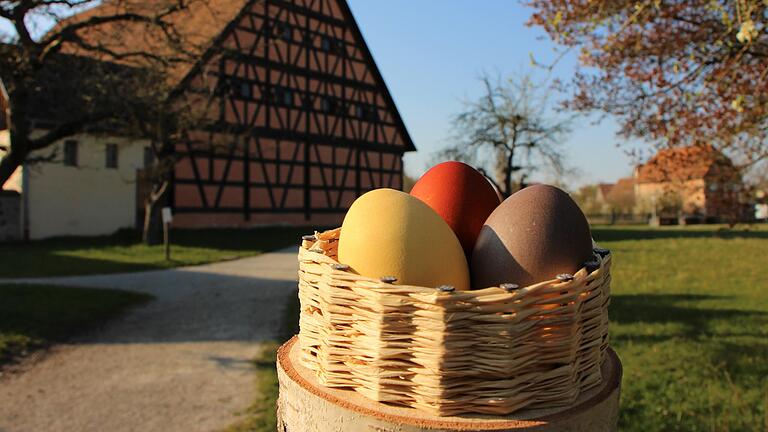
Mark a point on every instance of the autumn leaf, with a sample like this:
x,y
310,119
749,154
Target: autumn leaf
x,y
557,19
738,104
747,32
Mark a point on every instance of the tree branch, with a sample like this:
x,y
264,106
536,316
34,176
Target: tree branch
x,y
65,130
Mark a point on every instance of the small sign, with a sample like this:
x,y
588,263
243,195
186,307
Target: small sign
x,y
167,215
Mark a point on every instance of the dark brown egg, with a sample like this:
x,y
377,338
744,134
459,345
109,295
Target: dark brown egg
x,y
534,235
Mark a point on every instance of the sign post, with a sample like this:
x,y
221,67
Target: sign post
x,y
167,219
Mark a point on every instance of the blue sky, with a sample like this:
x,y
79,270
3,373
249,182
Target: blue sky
x,y
431,53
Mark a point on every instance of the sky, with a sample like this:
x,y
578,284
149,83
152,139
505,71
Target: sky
x,y
431,53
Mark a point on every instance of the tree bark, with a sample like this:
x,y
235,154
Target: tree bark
x,y
19,144
508,178
501,169
8,166
153,224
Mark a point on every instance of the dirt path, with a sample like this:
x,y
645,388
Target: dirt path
x,y
181,363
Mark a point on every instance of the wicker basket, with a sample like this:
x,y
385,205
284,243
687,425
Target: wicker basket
x,y
492,351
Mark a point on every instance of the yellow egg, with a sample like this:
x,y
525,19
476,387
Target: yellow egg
x,y
391,233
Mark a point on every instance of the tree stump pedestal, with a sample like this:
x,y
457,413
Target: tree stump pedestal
x,y
305,405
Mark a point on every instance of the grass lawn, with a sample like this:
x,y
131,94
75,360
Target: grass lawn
x,y
124,253
32,316
689,320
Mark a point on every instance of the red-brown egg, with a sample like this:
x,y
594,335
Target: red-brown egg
x,y
534,235
461,195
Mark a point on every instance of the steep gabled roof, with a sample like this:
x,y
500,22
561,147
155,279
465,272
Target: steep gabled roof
x,y
683,163
201,26
198,27
409,146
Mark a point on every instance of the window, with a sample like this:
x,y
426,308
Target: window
x,y
341,47
333,106
149,157
283,96
238,88
325,43
284,31
287,97
366,112
329,44
245,90
70,153
326,104
111,161
342,109
307,101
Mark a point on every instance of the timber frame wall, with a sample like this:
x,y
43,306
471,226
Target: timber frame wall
x,y
302,122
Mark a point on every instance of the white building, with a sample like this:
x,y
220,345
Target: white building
x,y
89,188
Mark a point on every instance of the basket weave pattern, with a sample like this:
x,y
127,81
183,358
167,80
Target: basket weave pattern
x,y
488,351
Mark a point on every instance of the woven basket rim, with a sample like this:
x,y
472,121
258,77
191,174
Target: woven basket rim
x,y
582,273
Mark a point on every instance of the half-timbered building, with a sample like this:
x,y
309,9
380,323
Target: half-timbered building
x,y
306,121
300,125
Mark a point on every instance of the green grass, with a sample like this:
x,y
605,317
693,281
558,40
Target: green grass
x,y
33,316
124,253
689,319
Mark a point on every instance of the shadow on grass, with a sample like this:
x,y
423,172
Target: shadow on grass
x,y
679,309
239,239
48,263
619,234
123,252
739,343
690,366
33,316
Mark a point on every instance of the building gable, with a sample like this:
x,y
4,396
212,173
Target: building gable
x,y
309,49
681,164
302,120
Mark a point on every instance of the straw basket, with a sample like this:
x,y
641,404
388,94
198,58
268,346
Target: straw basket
x,y
492,351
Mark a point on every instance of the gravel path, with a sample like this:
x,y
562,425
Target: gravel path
x,y
181,363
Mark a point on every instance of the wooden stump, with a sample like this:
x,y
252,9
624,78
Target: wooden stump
x,y
304,405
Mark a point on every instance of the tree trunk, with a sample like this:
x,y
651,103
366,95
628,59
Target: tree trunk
x,y
8,166
19,145
153,223
501,170
509,171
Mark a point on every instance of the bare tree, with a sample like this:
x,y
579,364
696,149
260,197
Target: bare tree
x,y
509,132
26,61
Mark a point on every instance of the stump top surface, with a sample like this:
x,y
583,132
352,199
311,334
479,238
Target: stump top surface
x,y
288,360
